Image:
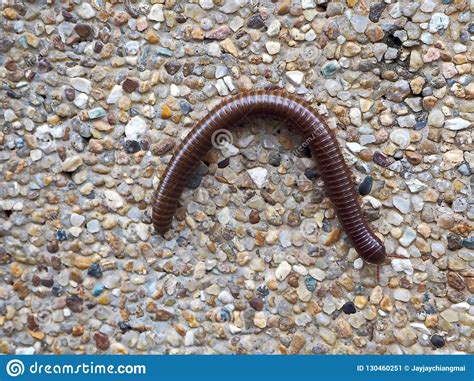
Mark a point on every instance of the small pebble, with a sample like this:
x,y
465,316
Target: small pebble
x,y
437,341
349,308
365,186
95,270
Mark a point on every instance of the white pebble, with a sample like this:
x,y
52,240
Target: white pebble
x,y
282,271
258,175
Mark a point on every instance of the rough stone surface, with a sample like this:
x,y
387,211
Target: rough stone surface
x,y
96,97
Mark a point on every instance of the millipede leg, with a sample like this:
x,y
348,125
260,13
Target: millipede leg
x,y
396,256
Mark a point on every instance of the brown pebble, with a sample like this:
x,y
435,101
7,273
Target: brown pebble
x,y
267,197
98,47
293,280
77,330
365,155
10,65
76,276
254,217
283,7
53,246
180,18
163,315
256,304
431,321
21,289
70,94
470,284
456,281
36,280
101,341
62,153
260,238
413,157
83,30
429,102
380,159
121,18
333,237
32,323
56,263
74,303
294,218
129,85
172,67
163,146
188,68
297,343
180,214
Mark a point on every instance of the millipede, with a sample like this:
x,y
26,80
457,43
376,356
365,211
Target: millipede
x,y
321,140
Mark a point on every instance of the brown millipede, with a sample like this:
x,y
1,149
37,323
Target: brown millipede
x,y
321,140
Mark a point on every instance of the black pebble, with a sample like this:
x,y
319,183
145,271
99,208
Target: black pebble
x,y
13,95
47,282
263,291
306,152
255,21
349,308
376,11
437,341
223,163
95,270
274,158
57,290
365,186
180,18
194,180
311,173
124,326
454,242
132,146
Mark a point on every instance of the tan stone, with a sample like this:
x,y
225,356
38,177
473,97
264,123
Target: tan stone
x,y
229,47
81,262
350,49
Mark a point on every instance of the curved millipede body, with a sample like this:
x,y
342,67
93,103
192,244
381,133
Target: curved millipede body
x,y
321,140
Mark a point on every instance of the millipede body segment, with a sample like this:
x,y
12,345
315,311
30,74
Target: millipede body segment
x,y
321,140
